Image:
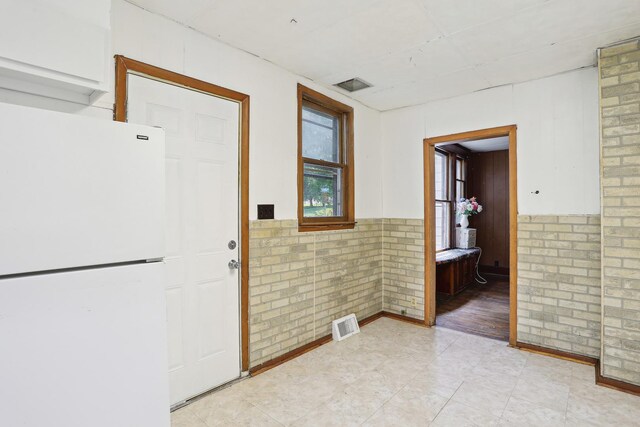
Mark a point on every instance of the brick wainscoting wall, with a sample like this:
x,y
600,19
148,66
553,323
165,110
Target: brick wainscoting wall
x,y
620,189
559,282
300,282
403,266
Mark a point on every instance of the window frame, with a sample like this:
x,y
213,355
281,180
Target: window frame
x,y
327,105
463,180
452,155
447,196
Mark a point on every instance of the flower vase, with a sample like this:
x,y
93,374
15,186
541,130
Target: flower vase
x,y
464,221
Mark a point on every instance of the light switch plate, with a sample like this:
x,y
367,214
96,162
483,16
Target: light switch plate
x,y
265,211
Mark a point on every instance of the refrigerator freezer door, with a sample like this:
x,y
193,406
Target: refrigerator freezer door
x,y
78,191
84,348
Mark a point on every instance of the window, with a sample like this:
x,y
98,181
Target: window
x,y
443,201
450,186
461,181
325,162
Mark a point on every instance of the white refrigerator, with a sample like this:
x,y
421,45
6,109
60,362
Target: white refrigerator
x,y
82,309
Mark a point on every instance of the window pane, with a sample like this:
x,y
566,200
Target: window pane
x,y
320,135
459,190
461,169
322,191
442,225
441,176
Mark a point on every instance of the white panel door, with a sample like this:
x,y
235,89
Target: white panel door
x,y
202,179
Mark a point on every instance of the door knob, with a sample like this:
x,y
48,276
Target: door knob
x,y
234,265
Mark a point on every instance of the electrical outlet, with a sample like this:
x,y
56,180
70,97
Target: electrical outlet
x,y
414,302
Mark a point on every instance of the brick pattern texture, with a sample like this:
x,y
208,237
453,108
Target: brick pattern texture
x,y
403,266
620,189
559,282
300,282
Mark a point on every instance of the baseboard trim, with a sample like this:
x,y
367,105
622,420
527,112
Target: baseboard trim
x,y
558,354
587,360
488,269
270,364
615,384
402,318
371,318
276,361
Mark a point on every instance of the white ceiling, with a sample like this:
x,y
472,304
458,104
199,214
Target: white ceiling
x,y
413,51
488,144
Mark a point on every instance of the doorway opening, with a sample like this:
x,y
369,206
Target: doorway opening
x,y
471,232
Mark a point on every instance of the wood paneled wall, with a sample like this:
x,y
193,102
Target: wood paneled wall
x,y
488,180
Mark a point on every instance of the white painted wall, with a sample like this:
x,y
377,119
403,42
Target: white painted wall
x,y
557,120
150,38
558,142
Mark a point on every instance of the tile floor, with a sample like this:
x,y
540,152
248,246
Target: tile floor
x,y
397,374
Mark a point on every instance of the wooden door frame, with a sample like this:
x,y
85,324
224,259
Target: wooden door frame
x,y
429,220
124,66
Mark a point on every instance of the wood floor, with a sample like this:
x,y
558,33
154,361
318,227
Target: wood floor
x,y
479,309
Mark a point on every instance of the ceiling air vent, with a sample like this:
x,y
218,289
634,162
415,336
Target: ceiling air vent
x,y
353,85
344,327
